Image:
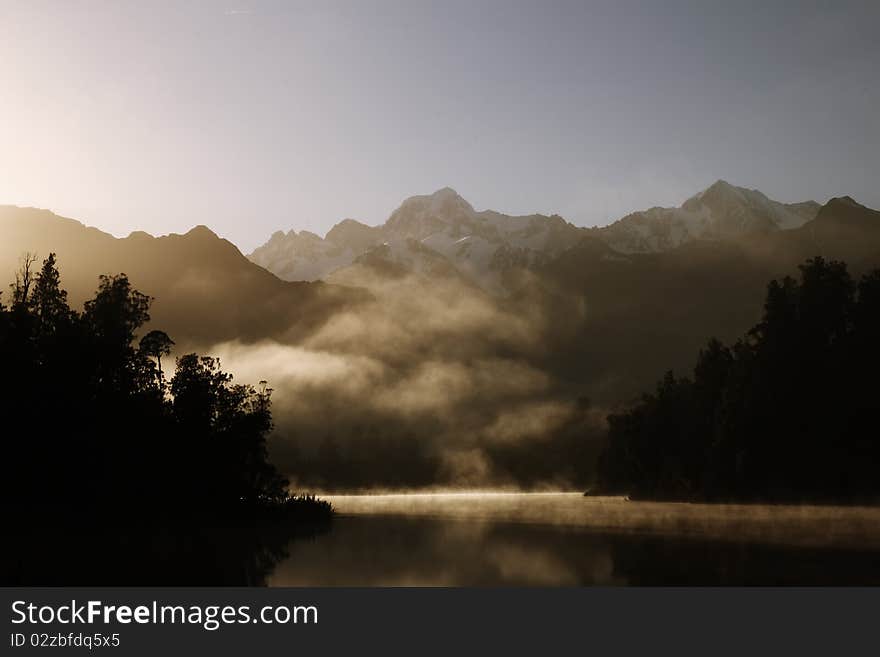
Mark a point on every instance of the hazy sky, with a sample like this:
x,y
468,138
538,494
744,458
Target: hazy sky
x,y
254,116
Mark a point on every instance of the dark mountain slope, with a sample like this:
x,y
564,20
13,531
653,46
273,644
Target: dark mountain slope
x,y
205,290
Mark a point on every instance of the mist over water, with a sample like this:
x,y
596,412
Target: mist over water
x,y
803,525
565,539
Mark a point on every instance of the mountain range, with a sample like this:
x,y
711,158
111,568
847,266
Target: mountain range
x,y
441,233
613,308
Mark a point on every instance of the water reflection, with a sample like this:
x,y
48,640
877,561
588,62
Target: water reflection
x,y
477,540
146,556
567,540
398,551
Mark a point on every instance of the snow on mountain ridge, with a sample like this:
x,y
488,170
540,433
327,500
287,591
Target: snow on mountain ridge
x,y
721,211
479,245
302,256
485,245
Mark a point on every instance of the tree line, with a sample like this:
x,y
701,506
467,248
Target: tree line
x,y
92,428
789,412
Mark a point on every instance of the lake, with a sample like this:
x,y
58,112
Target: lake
x,y
566,539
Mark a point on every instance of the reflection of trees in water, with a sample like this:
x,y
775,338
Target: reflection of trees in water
x,y
180,556
664,561
422,551
418,551
394,551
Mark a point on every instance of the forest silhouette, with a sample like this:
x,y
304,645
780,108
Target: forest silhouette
x,y
787,413
95,430
147,479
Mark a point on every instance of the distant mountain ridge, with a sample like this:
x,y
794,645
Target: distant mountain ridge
x,y
204,288
486,246
423,231
721,211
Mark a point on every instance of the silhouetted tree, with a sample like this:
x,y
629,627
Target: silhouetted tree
x,y
48,300
157,344
24,278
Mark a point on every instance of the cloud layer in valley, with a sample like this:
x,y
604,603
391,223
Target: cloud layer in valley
x,y
421,386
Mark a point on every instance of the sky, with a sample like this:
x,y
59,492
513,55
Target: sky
x,y
252,117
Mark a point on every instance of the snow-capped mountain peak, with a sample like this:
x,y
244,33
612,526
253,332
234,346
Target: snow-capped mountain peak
x,y
421,216
721,211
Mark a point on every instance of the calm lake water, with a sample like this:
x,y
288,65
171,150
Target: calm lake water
x,y
566,539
